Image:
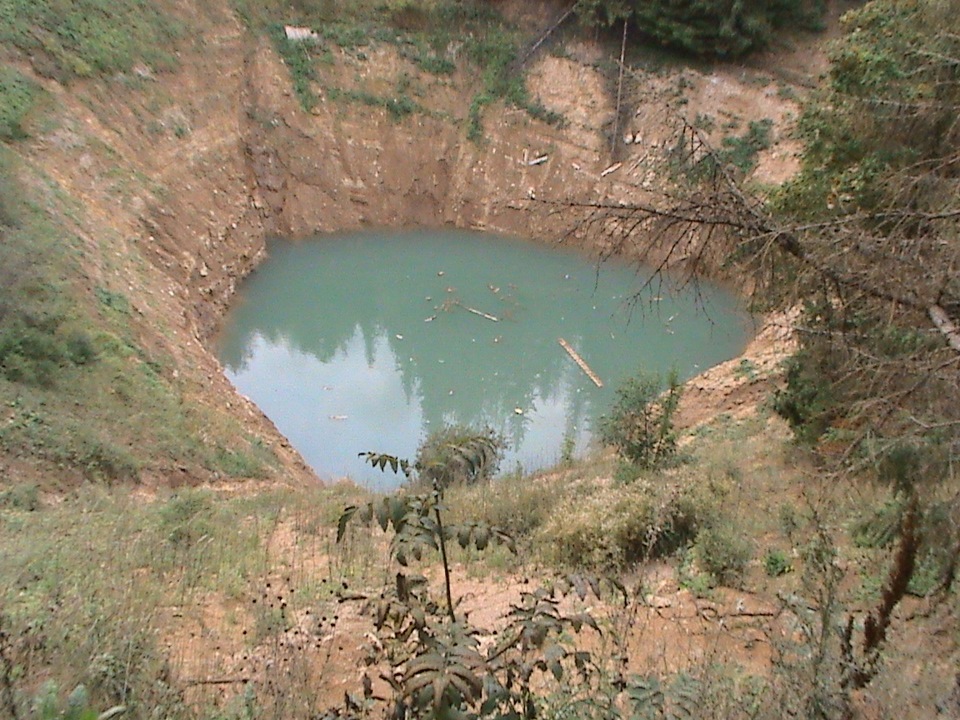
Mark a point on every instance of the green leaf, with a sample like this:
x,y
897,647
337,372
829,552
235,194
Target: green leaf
x,y
646,698
398,510
584,619
383,517
481,537
348,512
366,513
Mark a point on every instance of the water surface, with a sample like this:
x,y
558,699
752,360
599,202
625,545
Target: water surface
x,y
368,341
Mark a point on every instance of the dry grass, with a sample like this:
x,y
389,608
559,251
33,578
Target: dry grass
x,y
203,603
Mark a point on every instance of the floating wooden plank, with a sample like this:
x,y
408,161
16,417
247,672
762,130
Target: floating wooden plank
x,y
581,362
482,314
612,168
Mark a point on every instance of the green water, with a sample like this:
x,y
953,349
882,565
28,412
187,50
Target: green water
x,y
364,342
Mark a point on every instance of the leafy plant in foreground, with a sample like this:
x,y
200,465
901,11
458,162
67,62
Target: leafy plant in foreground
x,y
438,665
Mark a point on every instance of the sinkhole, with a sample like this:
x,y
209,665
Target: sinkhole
x,y
369,341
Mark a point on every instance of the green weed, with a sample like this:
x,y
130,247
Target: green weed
x,y
741,152
723,552
298,56
87,38
18,96
640,424
776,563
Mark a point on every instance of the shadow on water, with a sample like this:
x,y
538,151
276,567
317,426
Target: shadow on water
x,y
368,341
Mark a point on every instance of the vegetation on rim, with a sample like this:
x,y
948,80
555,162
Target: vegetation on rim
x,y
721,28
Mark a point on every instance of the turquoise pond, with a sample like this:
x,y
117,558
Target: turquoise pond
x,y
368,341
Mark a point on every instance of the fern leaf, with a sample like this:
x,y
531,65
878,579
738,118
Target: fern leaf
x,y
481,537
684,698
646,698
382,512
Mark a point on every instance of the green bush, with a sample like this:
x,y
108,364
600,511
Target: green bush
x,y
808,401
459,454
640,424
723,28
723,552
776,563
620,525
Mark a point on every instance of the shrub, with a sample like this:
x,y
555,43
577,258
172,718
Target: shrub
x,y
619,526
32,350
724,28
459,454
776,563
640,425
808,401
21,496
723,552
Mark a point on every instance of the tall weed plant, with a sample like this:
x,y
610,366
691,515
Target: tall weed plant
x,y
640,424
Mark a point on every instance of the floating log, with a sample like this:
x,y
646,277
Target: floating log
x,y
581,362
482,314
612,168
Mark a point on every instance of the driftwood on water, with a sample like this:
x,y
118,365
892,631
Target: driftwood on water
x,y
482,314
581,362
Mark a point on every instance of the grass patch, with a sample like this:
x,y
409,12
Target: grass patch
x,y
398,106
86,38
495,51
616,526
433,36
18,96
88,583
80,393
299,58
